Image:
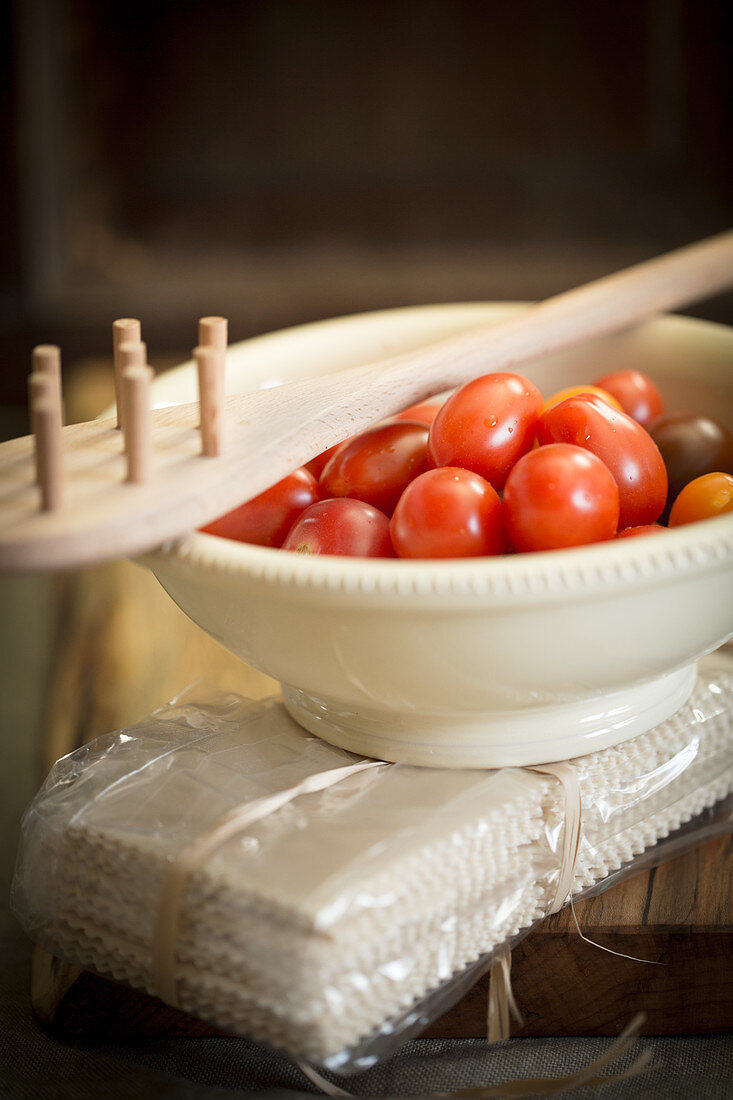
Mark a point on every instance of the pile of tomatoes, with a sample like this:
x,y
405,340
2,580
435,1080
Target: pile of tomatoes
x,y
498,469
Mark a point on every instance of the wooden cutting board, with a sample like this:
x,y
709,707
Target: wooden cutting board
x,y
123,648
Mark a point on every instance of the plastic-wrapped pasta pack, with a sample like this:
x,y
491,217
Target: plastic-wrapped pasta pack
x,y
331,918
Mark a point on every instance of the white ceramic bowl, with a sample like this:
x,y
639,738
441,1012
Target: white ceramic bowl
x,y
482,662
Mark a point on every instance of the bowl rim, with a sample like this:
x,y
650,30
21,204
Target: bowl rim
x,y
510,578
613,565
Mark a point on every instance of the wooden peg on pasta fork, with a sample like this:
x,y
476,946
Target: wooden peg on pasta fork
x,y
136,387
210,368
44,394
136,381
125,330
46,360
213,332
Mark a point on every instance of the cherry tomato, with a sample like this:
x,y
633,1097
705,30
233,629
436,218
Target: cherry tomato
x,y
705,497
573,391
342,526
486,425
636,394
560,495
642,529
624,446
315,466
691,445
448,513
424,412
376,465
266,519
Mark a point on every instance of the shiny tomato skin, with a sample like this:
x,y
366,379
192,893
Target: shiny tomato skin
x,y
448,513
376,465
486,425
642,529
691,445
424,412
574,391
624,446
315,465
703,498
266,519
341,526
637,395
558,496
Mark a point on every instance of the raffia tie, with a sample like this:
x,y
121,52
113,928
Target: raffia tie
x,y
193,856
501,1005
517,1089
501,999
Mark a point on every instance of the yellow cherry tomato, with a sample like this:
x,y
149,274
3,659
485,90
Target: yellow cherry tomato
x,y
705,497
575,391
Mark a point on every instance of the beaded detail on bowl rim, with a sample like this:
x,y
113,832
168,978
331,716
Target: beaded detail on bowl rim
x,y
518,576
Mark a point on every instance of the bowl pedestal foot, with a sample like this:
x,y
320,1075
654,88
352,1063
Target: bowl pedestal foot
x,y
494,739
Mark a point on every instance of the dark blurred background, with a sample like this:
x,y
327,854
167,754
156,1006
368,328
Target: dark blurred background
x,y
280,161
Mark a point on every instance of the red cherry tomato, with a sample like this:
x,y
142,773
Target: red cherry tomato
x,y
705,497
266,519
486,425
636,394
315,466
376,465
425,412
448,513
623,445
342,526
642,529
557,496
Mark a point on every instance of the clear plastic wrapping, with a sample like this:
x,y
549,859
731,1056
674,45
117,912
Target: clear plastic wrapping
x,y
335,925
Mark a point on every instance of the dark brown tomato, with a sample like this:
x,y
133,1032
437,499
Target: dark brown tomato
x,y
691,445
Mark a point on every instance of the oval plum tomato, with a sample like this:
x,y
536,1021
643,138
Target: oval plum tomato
x,y
315,465
624,446
448,513
342,526
574,391
557,496
691,445
376,465
705,497
424,412
636,394
486,425
266,519
642,529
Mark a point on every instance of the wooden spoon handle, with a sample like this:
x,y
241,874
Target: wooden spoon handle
x,y
595,309
270,432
